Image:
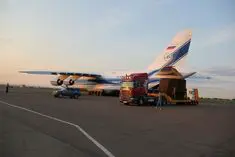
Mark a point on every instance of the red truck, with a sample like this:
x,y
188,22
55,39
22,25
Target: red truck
x,y
134,90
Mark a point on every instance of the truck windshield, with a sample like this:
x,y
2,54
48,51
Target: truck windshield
x,y
127,85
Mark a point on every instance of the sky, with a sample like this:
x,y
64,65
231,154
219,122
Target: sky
x,y
109,35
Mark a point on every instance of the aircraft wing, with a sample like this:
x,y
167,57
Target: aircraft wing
x,y
173,73
62,73
69,78
198,76
188,75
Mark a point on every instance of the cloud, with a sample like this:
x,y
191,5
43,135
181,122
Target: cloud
x,y
221,83
215,92
215,87
223,77
219,36
221,71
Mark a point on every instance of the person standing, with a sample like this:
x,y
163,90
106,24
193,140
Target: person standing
x,y
159,102
7,88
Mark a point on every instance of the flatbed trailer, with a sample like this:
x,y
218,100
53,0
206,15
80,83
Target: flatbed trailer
x,y
187,100
166,100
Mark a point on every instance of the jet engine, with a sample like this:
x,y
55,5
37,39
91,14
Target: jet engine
x,y
71,80
58,81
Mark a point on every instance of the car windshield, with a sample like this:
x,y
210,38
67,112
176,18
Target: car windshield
x,y
127,85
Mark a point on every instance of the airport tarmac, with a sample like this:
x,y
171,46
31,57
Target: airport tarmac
x,y
33,123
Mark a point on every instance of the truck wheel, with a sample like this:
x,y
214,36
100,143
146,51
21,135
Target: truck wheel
x,y
76,96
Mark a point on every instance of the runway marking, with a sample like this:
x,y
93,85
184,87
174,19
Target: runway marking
x,y
100,146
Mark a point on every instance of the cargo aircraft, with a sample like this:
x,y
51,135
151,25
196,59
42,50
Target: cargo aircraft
x,y
172,54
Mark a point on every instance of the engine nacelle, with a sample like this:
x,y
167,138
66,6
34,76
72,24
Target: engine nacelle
x,y
59,80
70,80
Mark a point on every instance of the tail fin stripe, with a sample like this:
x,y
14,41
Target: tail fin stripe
x,y
178,54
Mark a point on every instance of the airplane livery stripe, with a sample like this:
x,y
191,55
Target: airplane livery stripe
x,y
177,55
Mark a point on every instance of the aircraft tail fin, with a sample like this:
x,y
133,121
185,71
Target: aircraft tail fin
x,y
173,53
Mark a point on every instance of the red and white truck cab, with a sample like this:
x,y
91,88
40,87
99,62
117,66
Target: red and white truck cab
x,y
134,89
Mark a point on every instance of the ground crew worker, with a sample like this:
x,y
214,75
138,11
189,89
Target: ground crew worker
x,y
173,93
159,102
7,88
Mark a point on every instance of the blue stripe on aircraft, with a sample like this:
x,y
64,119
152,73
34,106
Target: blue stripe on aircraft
x,y
112,80
181,52
154,80
177,55
106,80
153,72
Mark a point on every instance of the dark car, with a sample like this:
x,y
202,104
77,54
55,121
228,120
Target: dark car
x,y
68,92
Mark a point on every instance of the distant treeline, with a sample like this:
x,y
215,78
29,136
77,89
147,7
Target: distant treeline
x,y
203,99
28,86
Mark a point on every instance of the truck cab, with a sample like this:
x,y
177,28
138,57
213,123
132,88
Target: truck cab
x,y
134,88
